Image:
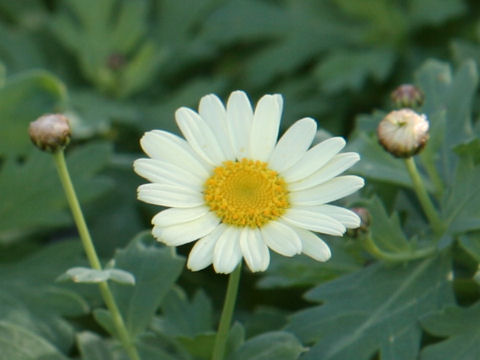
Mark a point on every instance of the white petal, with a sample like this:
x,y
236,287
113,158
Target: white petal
x,y
308,219
174,216
165,146
169,195
163,172
254,250
199,136
332,190
293,144
266,122
227,253
201,254
313,246
179,234
345,216
213,112
334,167
239,120
281,238
314,159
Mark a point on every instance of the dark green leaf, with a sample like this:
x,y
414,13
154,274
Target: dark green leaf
x,y
155,269
182,317
461,326
92,347
25,97
19,343
273,345
32,195
374,309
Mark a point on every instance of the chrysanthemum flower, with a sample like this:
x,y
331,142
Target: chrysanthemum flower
x,y
237,191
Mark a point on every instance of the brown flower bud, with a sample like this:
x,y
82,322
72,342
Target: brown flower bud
x,y
403,133
364,215
407,96
50,132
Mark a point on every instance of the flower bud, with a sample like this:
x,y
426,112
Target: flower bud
x,y
403,133
407,96
364,216
50,132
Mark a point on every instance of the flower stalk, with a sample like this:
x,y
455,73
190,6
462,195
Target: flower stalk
x,y
92,257
227,314
423,196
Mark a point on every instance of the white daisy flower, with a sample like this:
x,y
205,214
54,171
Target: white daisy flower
x,y
237,191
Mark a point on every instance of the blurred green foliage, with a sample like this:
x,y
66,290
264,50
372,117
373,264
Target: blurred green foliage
x,y
117,68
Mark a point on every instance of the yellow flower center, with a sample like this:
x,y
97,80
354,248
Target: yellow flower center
x,y
246,193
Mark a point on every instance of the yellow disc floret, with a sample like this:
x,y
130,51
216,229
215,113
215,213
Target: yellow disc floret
x,y
246,193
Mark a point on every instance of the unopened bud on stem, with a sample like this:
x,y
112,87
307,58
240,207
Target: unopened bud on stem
x,y
50,132
407,96
403,133
364,216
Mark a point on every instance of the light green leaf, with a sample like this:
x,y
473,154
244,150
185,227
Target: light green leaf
x,y
155,268
19,343
92,276
374,310
462,328
276,345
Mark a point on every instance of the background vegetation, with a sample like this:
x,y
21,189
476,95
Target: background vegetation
x,y
118,68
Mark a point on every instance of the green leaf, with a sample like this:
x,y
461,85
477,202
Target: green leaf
x,y
349,70
155,269
92,347
462,328
420,11
105,37
304,271
25,97
182,317
31,193
30,298
471,244
276,345
452,94
374,310
19,343
376,163
386,231
92,276
460,204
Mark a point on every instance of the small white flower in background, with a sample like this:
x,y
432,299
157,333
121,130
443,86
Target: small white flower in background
x,y
403,133
237,191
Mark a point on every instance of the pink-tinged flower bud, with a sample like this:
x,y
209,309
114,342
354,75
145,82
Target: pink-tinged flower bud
x,y
403,133
407,96
50,132
364,216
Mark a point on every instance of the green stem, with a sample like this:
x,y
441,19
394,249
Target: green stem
x,y
227,313
423,197
92,255
434,176
396,257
